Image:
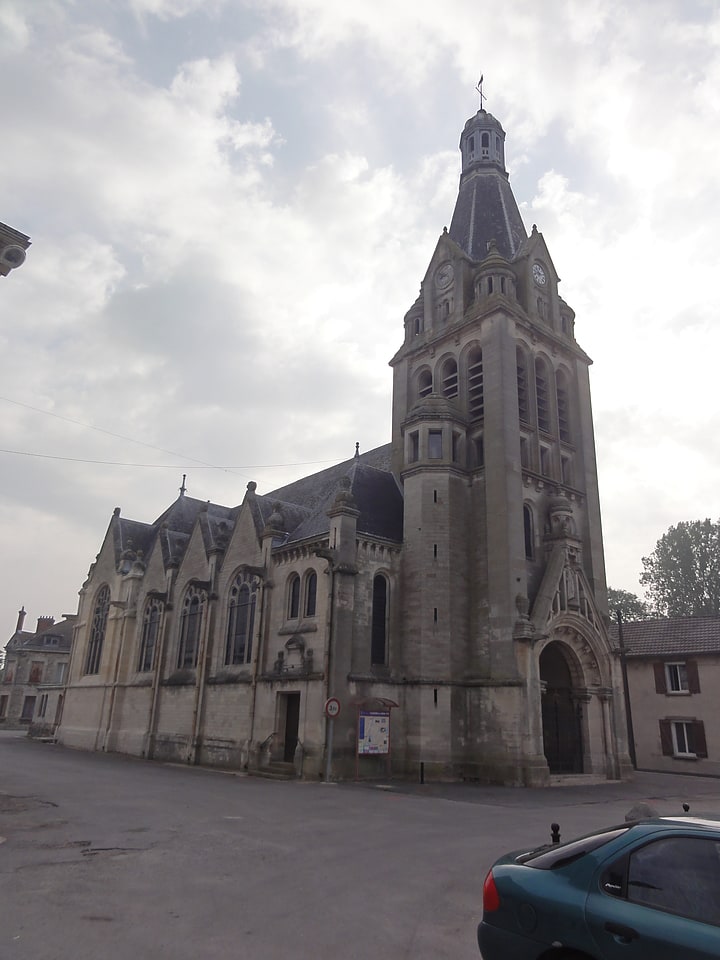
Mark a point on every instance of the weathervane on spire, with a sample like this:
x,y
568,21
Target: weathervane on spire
x,y
479,90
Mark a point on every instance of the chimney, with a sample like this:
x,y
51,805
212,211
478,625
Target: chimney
x,y
44,623
21,619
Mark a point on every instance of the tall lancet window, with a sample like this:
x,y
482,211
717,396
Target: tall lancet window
x,y
522,386
475,384
97,630
241,621
149,636
563,406
378,641
190,623
542,395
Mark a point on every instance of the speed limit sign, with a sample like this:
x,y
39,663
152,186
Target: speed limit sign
x,y
332,708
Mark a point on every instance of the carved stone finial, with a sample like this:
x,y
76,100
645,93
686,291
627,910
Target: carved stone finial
x,y
252,486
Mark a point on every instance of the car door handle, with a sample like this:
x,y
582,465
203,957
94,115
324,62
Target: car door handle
x,y
626,934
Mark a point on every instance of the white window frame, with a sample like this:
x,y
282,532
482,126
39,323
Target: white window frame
x,y
681,738
676,678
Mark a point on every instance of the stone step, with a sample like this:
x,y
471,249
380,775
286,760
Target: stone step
x,y
277,770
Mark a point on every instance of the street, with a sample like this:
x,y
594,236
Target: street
x,y
106,856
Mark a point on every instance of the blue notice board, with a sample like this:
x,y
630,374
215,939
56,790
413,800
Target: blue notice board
x,y
373,732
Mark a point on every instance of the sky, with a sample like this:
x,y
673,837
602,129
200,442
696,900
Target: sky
x,y
232,204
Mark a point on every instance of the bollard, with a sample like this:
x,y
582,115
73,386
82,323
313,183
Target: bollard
x,y
555,832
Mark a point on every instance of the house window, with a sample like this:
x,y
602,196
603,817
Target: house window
x,y
294,597
435,444
97,631
28,708
3,706
148,638
450,379
60,671
36,671
683,738
190,622
522,387
424,384
311,594
475,384
677,677
241,620
42,706
378,640
542,396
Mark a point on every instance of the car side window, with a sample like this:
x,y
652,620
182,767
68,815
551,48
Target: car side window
x,y
677,874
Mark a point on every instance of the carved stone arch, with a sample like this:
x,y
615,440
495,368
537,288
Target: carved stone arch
x,y
422,381
593,667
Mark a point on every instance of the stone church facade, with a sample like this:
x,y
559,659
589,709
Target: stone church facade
x,y
451,581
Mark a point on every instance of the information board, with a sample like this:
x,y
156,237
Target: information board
x,y
373,732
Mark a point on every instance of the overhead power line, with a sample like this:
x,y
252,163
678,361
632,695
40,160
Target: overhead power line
x,y
169,466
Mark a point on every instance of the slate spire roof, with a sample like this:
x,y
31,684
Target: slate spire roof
x,y
486,208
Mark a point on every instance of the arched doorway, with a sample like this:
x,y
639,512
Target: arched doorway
x,y
561,713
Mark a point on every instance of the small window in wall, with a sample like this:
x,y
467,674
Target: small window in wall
x,y
485,146
424,383
529,537
566,470
42,706
378,641
60,671
542,396
97,631
475,384
28,708
450,379
414,447
677,677
190,622
522,387
478,446
545,459
294,597
417,325
435,450
36,671
311,594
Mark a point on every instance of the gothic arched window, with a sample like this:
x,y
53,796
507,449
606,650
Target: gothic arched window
x,y
450,379
241,621
475,384
190,623
378,641
522,386
149,636
542,395
294,597
311,594
563,406
529,532
485,145
97,630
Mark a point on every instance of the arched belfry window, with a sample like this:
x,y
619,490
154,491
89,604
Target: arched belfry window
x,y
485,145
311,594
97,630
241,621
293,597
425,384
380,607
542,395
522,386
529,532
475,384
450,379
149,636
562,395
190,624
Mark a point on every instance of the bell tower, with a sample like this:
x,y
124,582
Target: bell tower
x,y
492,442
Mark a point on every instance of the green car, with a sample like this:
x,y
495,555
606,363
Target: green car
x,y
646,890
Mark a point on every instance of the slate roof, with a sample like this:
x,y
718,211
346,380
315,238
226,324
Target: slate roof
x,y
24,640
672,637
486,210
377,497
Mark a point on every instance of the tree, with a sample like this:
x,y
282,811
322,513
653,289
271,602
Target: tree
x,y
682,574
630,606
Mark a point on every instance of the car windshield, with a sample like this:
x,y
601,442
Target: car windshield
x,y
560,855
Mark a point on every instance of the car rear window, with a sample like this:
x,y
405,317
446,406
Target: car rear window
x,y
560,855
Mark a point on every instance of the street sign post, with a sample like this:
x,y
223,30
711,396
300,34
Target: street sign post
x,y
332,710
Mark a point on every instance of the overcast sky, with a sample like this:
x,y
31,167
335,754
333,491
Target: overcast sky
x,y
232,204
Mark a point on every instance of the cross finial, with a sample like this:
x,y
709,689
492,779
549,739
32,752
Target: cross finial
x,y
479,90
357,450
183,488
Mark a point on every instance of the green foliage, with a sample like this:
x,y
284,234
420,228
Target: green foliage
x,y
631,607
682,574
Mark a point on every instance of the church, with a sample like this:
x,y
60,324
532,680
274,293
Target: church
x,y
432,609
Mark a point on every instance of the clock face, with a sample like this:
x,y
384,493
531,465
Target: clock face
x,y
444,276
539,274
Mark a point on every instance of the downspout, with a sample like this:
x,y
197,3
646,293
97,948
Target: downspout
x,y
626,693
113,683
160,660
259,648
201,674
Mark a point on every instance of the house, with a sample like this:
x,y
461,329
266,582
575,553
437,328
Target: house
x,y
437,606
673,671
33,678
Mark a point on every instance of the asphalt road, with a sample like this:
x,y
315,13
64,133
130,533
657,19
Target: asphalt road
x,y
120,859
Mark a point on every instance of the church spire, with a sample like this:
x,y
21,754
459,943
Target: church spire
x,y
486,208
